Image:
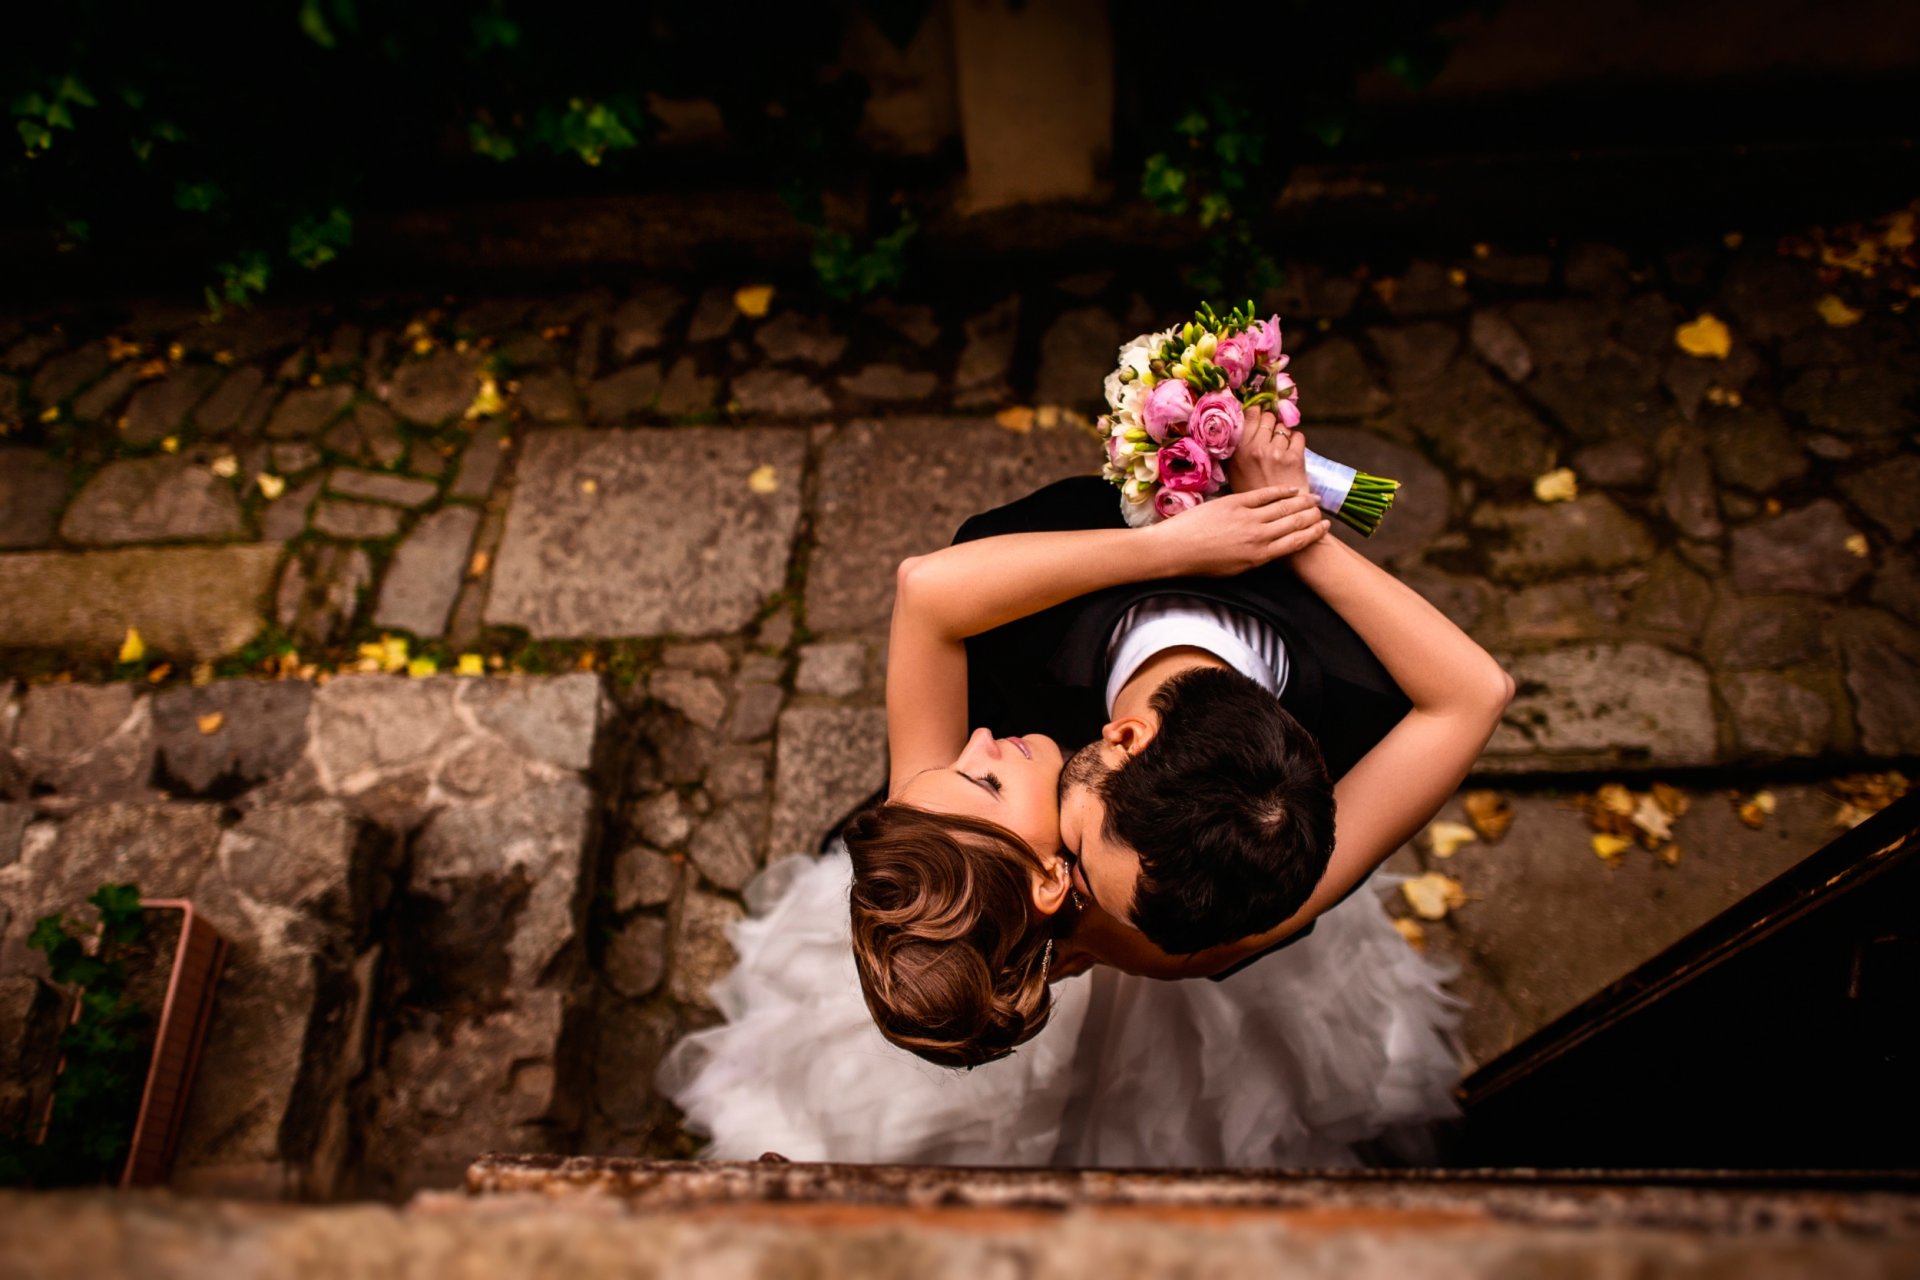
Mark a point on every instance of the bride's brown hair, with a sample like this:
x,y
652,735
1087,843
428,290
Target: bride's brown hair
x,y
949,958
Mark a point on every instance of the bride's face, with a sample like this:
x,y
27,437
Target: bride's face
x,y
1010,781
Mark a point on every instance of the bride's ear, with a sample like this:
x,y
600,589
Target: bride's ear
x,y
1129,733
1050,888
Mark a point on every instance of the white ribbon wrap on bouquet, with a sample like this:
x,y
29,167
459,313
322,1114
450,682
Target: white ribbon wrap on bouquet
x,y
1328,481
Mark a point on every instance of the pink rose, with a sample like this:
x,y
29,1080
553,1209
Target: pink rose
x,y
1235,356
1185,466
1289,414
1169,404
1113,451
1265,336
1217,422
1171,502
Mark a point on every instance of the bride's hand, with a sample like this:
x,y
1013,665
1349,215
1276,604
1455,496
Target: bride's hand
x,y
1240,531
1269,454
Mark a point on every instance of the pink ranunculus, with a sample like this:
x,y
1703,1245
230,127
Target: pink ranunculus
x,y
1265,335
1171,502
1169,405
1185,466
1217,422
1235,356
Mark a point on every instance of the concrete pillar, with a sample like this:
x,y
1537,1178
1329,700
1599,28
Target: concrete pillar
x,y
1036,99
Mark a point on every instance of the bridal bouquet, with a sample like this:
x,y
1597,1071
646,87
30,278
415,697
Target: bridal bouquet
x,y
1177,406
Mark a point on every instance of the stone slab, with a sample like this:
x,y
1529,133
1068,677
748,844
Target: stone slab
x,y
1542,880
1601,706
152,500
646,532
189,602
419,590
380,486
33,487
892,489
828,759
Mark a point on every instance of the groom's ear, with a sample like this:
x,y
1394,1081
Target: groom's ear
x,y
1129,733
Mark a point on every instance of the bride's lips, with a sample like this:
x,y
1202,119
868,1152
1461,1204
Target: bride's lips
x,y
1021,743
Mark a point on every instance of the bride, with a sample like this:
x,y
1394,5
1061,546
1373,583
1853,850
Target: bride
x,y
1000,869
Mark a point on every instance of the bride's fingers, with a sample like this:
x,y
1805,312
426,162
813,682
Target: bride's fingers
x,y
1295,507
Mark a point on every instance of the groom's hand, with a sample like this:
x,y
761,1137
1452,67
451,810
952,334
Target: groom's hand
x,y
1240,531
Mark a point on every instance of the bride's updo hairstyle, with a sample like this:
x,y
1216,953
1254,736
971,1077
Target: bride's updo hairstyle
x,y
948,955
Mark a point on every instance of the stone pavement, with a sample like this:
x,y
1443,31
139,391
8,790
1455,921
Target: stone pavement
x,y
473,910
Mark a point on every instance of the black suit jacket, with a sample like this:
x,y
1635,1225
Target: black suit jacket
x,y
1047,673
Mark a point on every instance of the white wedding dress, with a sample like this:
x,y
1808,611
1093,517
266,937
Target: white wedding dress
x,y
1342,1038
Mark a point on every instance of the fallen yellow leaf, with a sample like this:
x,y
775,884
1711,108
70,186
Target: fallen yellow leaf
x,y
471,664
753,300
1705,337
423,666
1654,822
1047,417
133,648
422,345
764,480
589,485
1017,418
1615,798
176,352
210,723
159,673
153,369
202,674
1756,809
119,349
1410,929
389,653
1456,277
223,357
1836,312
1433,895
1443,839
50,414
1490,813
171,444
1856,544
226,466
1558,485
1669,855
486,400
1671,798
1609,848
477,566
271,486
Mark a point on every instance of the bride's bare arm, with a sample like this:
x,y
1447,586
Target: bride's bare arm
x,y
942,598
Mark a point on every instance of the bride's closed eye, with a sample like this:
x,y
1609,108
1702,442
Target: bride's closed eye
x,y
993,781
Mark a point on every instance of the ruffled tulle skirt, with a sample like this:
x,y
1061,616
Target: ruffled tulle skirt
x,y
1344,1038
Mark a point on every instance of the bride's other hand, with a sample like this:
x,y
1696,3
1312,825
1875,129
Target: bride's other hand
x,y
1269,455
1240,531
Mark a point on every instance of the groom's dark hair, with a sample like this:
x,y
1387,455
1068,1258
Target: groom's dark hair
x,y
1229,807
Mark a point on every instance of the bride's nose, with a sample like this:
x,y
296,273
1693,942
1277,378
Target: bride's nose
x,y
983,742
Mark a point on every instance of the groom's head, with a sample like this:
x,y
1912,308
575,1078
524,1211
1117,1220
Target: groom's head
x,y
1207,825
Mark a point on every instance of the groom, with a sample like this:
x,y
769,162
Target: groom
x,y
1211,716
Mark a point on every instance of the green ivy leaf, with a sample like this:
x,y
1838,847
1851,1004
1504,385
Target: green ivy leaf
x,y
313,242
71,90
315,25
1191,125
197,197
